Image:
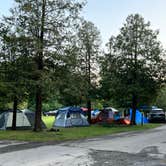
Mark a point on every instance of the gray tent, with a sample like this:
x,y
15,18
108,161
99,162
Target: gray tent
x,y
24,120
69,117
31,117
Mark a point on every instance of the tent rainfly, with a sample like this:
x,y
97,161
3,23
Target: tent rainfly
x,y
70,117
24,120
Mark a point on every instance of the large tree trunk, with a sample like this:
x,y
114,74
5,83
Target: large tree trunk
x,y
39,61
37,125
134,107
15,103
134,96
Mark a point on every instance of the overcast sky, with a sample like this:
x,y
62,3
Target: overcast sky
x,y
109,15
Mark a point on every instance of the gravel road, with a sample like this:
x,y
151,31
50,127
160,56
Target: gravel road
x,y
147,148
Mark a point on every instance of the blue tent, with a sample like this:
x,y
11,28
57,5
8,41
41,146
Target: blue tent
x,y
70,116
139,117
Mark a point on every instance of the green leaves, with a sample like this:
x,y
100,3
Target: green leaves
x,y
134,64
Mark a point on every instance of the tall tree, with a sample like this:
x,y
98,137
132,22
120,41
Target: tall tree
x,y
133,69
48,24
12,68
89,46
15,63
161,98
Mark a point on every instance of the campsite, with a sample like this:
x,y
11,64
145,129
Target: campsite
x,y
69,124
72,133
49,64
78,76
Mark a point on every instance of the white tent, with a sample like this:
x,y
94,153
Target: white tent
x,y
6,120
24,120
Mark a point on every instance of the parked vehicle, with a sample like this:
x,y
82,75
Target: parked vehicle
x,y
50,113
157,115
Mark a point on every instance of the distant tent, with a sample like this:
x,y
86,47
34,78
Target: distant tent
x,y
70,117
95,113
84,109
107,115
113,113
95,116
23,121
111,109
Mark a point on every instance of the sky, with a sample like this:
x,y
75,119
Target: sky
x,y
109,15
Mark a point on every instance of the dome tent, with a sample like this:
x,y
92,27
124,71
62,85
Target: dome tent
x,y
6,117
31,117
70,117
24,120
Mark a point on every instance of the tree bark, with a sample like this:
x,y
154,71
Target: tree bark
x,y
134,107
15,103
134,96
37,126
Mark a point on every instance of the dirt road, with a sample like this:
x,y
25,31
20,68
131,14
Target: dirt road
x,y
146,148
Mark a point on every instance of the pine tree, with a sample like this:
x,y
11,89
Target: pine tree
x,y
133,69
47,25
89,45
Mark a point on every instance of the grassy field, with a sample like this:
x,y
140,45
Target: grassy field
x,y
48,120
68,133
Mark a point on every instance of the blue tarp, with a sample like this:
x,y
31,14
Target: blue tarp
x,y
139,117
95,112
117,116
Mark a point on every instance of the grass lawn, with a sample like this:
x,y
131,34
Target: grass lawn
x,y
48,120
68,133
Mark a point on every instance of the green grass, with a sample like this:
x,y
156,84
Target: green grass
x,y
69,133
48,120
